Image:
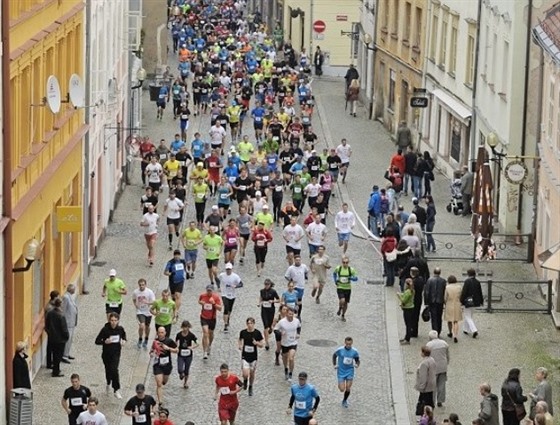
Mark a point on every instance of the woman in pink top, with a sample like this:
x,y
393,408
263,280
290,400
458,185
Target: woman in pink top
x,y
231,241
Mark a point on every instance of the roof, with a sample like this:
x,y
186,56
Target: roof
x,y
547,33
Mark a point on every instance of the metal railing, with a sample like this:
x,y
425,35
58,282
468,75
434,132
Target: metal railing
x,y
519,295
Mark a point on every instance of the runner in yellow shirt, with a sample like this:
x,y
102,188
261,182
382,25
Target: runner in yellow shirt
x,y
199,171
171,168
234,113
191,238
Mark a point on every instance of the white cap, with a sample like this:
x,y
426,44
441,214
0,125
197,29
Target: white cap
x,y
214,207
265,207
258,193
229,266
112,272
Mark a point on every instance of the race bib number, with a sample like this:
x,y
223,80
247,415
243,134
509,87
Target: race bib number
x,y
297,189
212,164
314,167
182,163
208,306
162,96
291,338
249,349
184,117
179,266
300,405
278,189
343,280
164,310
258,119
113,304
265,178
200,195
267,304
348,361
260,243
232,241
224,195
141,419
245,225
224,390
163,360
114,339
185,352
212,249
163,156
76,401
242,187
291,305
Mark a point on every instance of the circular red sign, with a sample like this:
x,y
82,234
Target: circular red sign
x,y
319,26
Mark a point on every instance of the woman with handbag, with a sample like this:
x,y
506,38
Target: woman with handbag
x,y
513,409
389,252
471,298
407,304
352,96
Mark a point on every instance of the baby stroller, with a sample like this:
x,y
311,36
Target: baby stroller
x,y
456,203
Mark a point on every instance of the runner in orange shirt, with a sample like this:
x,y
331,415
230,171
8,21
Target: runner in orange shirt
x,y
228,386
211,303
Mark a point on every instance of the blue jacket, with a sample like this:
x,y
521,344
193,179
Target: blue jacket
x,y
374,204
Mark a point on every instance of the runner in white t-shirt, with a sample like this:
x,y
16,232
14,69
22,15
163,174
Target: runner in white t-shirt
x,y
344,152
150,222
174,209
344,222
154,171
217,136
143,297
316,234
91,416
289,328
293,233
229,282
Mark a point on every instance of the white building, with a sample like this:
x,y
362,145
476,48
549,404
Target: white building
x,y
449,76
365,52
108,89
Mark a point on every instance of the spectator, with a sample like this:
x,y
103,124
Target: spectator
x,y
471,298
428,417
434,297
488,406
410,160
440,353
542,408
425,381
512,396
542,392
20,367
453,312
467,182
404,136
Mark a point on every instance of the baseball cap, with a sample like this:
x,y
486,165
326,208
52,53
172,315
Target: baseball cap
x,y
302,375
414,269
140,388
313,151
265,207
229,266
112,272
415,200
200,164
214,207
209,287
258,193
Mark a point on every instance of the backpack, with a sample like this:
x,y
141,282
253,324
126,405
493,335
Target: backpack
x,y
384,204
397,182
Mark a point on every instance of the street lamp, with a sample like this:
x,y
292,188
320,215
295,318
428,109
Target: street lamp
x,y
492,141
354,35
140,76
32,253
367,41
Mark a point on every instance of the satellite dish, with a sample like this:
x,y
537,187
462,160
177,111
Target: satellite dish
x,y
53,99
76,91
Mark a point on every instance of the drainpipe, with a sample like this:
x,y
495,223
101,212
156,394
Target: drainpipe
x,y
86,167
525,112
425,73
7,194
473,147
311,20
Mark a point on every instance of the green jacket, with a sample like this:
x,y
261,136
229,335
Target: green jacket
x,y
407,299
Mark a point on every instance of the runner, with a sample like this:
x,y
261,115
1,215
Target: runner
x,y
143,298
164,312
231,241
162,347
212,244
171,168
224,191
343,277
163,417
214,219
267,299
140,407
316,235
200,192
227,387
293,234
112,337
154,171
175,269
211,304
290,329
192,238
344,152
231,281
345,359
149,198
344,222
186,342
113,290
320,263
245,224
250,340
150,222
217,137
261,237
213,164
304,399
75,399
173,207
92,416
298,274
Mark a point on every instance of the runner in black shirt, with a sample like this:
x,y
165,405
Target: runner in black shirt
x,y
140,407
287,157
149,198
334,161
162,348
75,399
242,185
268,297
186,342
250,340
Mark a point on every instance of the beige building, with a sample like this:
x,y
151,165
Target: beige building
x,y
400,42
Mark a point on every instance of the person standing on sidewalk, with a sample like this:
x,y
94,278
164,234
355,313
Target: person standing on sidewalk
x,y
112,337
374,211
140,407
113,290
512,396
70,309
419,283
434,297
50,305
406,300
143,298
471,298
425,381
410,164
150,222
453,311
57,330
75,399
489,409
542,392
20,367
440,353
352,96
467,183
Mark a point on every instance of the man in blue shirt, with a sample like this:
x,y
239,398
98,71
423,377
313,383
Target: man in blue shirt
x,y
304,400
258,114
197,148
176,144
175,269
345,359
161,102
374,211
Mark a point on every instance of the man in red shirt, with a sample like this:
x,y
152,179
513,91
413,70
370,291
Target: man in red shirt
x,y
261,237
213,165
397,160
228,386
211,303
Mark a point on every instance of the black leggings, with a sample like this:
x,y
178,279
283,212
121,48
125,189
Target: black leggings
x,y
276,206
260,254
200,206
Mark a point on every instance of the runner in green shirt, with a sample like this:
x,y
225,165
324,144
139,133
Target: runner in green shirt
x,y
113,289
297,192
164,312
212,244
245,149
200,192
192,237
343,276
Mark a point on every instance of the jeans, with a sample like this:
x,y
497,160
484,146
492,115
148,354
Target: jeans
x,y
441,379
374,221
436,313
184,365
390,272
407,177
417,186
431,245
408,315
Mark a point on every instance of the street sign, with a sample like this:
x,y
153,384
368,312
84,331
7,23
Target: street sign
x,y
319,26
516,172
418,102
342,18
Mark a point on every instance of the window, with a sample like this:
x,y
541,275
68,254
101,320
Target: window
x,y
485,47
551,105
494,48
471,51
505,67
443,44
392,82
407,22
395,23
418,28
385,15
453,44
434,34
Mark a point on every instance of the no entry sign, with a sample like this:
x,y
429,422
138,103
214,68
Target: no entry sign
x,y
319,26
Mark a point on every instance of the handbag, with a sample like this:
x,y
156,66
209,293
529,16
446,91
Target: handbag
x,y
391,256
520,411
469,302
426,314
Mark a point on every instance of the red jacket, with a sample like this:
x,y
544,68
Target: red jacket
x,y
261,237
388,244
399,162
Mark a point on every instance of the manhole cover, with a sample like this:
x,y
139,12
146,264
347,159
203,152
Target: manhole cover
x,y
98,263
322,343
375,282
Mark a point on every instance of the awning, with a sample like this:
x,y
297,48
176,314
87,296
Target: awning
x,y
456,107
550,259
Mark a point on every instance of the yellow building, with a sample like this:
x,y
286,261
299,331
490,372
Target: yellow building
x,y
399,60
45,38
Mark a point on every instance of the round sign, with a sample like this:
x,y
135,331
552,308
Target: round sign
x,y
319,26
516,172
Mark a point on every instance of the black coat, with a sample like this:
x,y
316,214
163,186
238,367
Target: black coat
x,y
421,215
56,326
20,370
512,393
472,288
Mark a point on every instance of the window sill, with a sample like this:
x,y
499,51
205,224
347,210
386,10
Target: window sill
x,y
416,49
384,30
441,67
503,96
491,87
390,111
451,74
406,43
394,36
468,85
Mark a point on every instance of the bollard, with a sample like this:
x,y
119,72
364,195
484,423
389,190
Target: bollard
x,y
489,303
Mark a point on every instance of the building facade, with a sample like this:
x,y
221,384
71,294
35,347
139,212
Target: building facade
x,y
46,39
4,271
366,54
450,39
400,40
108,117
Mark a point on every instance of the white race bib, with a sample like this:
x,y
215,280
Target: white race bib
x,y
76,401
232,241
113,304
291,338
208,306
265,178
185,352
249,349
182,163
348,361
114,339
266,304
314,167
224,390
343,280
260,242
224,195
300,405
291,305
141,419
278,189
179,266
200,195
297,189
164,310
163,156
163,360
242,188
